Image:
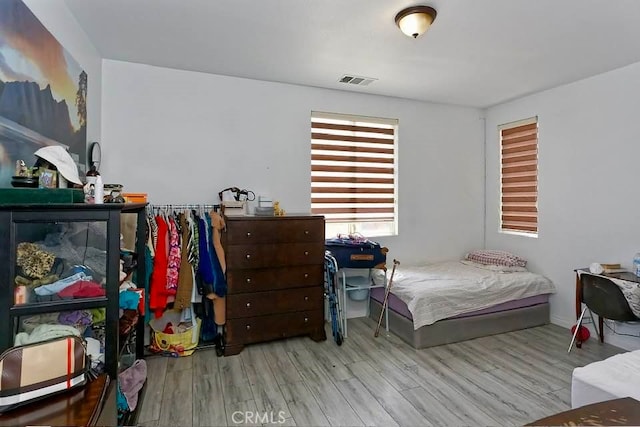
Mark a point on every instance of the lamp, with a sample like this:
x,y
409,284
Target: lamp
x,y
416,20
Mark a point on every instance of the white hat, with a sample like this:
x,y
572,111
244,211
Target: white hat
x,y
58,156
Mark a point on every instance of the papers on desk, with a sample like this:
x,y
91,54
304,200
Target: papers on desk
x,y
631,291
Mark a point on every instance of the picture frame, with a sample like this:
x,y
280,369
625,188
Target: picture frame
x,y
48,179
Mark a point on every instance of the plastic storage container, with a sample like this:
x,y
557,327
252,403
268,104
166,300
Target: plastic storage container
x,y
135,197
358,287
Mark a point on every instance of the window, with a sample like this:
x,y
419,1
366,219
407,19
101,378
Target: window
x,y
353,173
519,177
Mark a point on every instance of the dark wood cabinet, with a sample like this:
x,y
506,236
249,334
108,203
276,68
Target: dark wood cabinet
x,y
275,279
76,237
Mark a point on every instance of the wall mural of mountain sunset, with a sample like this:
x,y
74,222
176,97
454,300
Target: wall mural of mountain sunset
x,y
43,92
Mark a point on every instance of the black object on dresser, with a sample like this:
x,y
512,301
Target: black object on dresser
x,y
275,279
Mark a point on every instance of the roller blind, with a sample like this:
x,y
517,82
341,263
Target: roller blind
x,y
519,176
353,169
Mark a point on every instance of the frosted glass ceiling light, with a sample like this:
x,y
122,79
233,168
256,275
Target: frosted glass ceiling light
x,y
415,21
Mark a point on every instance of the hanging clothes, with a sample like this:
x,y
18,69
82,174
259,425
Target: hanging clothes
x,y
153,230
218,225
158,295
219,289
205,268
194,255
150,243
219,281
208,329
185,275
189,251
174,259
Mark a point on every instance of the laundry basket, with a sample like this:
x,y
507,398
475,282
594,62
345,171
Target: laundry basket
x,y
179,344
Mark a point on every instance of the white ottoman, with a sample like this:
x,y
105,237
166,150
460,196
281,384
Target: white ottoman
x,y
617,376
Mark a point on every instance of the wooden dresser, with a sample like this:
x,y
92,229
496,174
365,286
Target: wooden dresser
x,y
275,268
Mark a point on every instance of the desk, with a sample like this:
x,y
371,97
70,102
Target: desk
x,y
626,275
617,412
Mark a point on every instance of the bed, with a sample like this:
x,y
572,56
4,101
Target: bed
x,y
454,301
612,378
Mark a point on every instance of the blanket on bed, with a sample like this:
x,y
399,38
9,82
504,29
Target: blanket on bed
x,y
439,291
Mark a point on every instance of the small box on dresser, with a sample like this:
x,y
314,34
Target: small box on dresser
x,y
275,279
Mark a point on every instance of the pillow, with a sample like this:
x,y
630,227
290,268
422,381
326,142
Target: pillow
x,y
496,268
491,257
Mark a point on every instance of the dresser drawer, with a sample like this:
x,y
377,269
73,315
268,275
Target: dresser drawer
x,y
264,328
272,302
274,230
254,280
280,255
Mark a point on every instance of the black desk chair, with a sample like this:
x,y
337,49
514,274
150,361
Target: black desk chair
x,y
604,298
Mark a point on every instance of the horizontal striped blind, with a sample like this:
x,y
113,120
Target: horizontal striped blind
x,y
353,168
519,181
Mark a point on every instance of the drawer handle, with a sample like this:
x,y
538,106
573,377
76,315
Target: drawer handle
x,y
306,252
306,275
248,327
306,298
248,256
248,234
306,320
248,304
248,279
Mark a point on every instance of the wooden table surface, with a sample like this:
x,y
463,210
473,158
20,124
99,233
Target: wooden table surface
x,y
617,412
77,407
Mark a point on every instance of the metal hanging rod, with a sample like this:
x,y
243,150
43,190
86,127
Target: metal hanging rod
x,y
185,206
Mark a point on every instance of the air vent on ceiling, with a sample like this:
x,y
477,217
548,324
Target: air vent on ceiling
x,y
356,80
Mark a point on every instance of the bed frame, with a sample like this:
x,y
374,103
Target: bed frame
x,y
448,331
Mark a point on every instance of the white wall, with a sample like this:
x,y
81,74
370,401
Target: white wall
x,y
182,136
589,206
60,22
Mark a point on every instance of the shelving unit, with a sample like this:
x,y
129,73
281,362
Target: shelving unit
x,y
135,338
352,282
93,229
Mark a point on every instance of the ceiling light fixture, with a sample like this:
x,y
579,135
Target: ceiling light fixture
x,y
416,20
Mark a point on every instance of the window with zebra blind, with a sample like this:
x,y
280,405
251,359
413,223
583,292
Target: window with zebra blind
x,y
354,173
519,177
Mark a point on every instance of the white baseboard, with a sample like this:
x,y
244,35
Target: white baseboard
x,y
561,321
625,342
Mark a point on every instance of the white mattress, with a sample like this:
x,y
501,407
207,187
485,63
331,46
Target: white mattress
x,y
443,290
617,376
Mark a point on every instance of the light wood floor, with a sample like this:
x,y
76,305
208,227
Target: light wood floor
x,y
507,379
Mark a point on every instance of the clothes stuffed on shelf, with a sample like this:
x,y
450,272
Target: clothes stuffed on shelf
x,y
44,333
45,274
88,323
78,244
130,297
68,262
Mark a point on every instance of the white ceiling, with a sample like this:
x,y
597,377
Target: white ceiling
x,y
477,53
